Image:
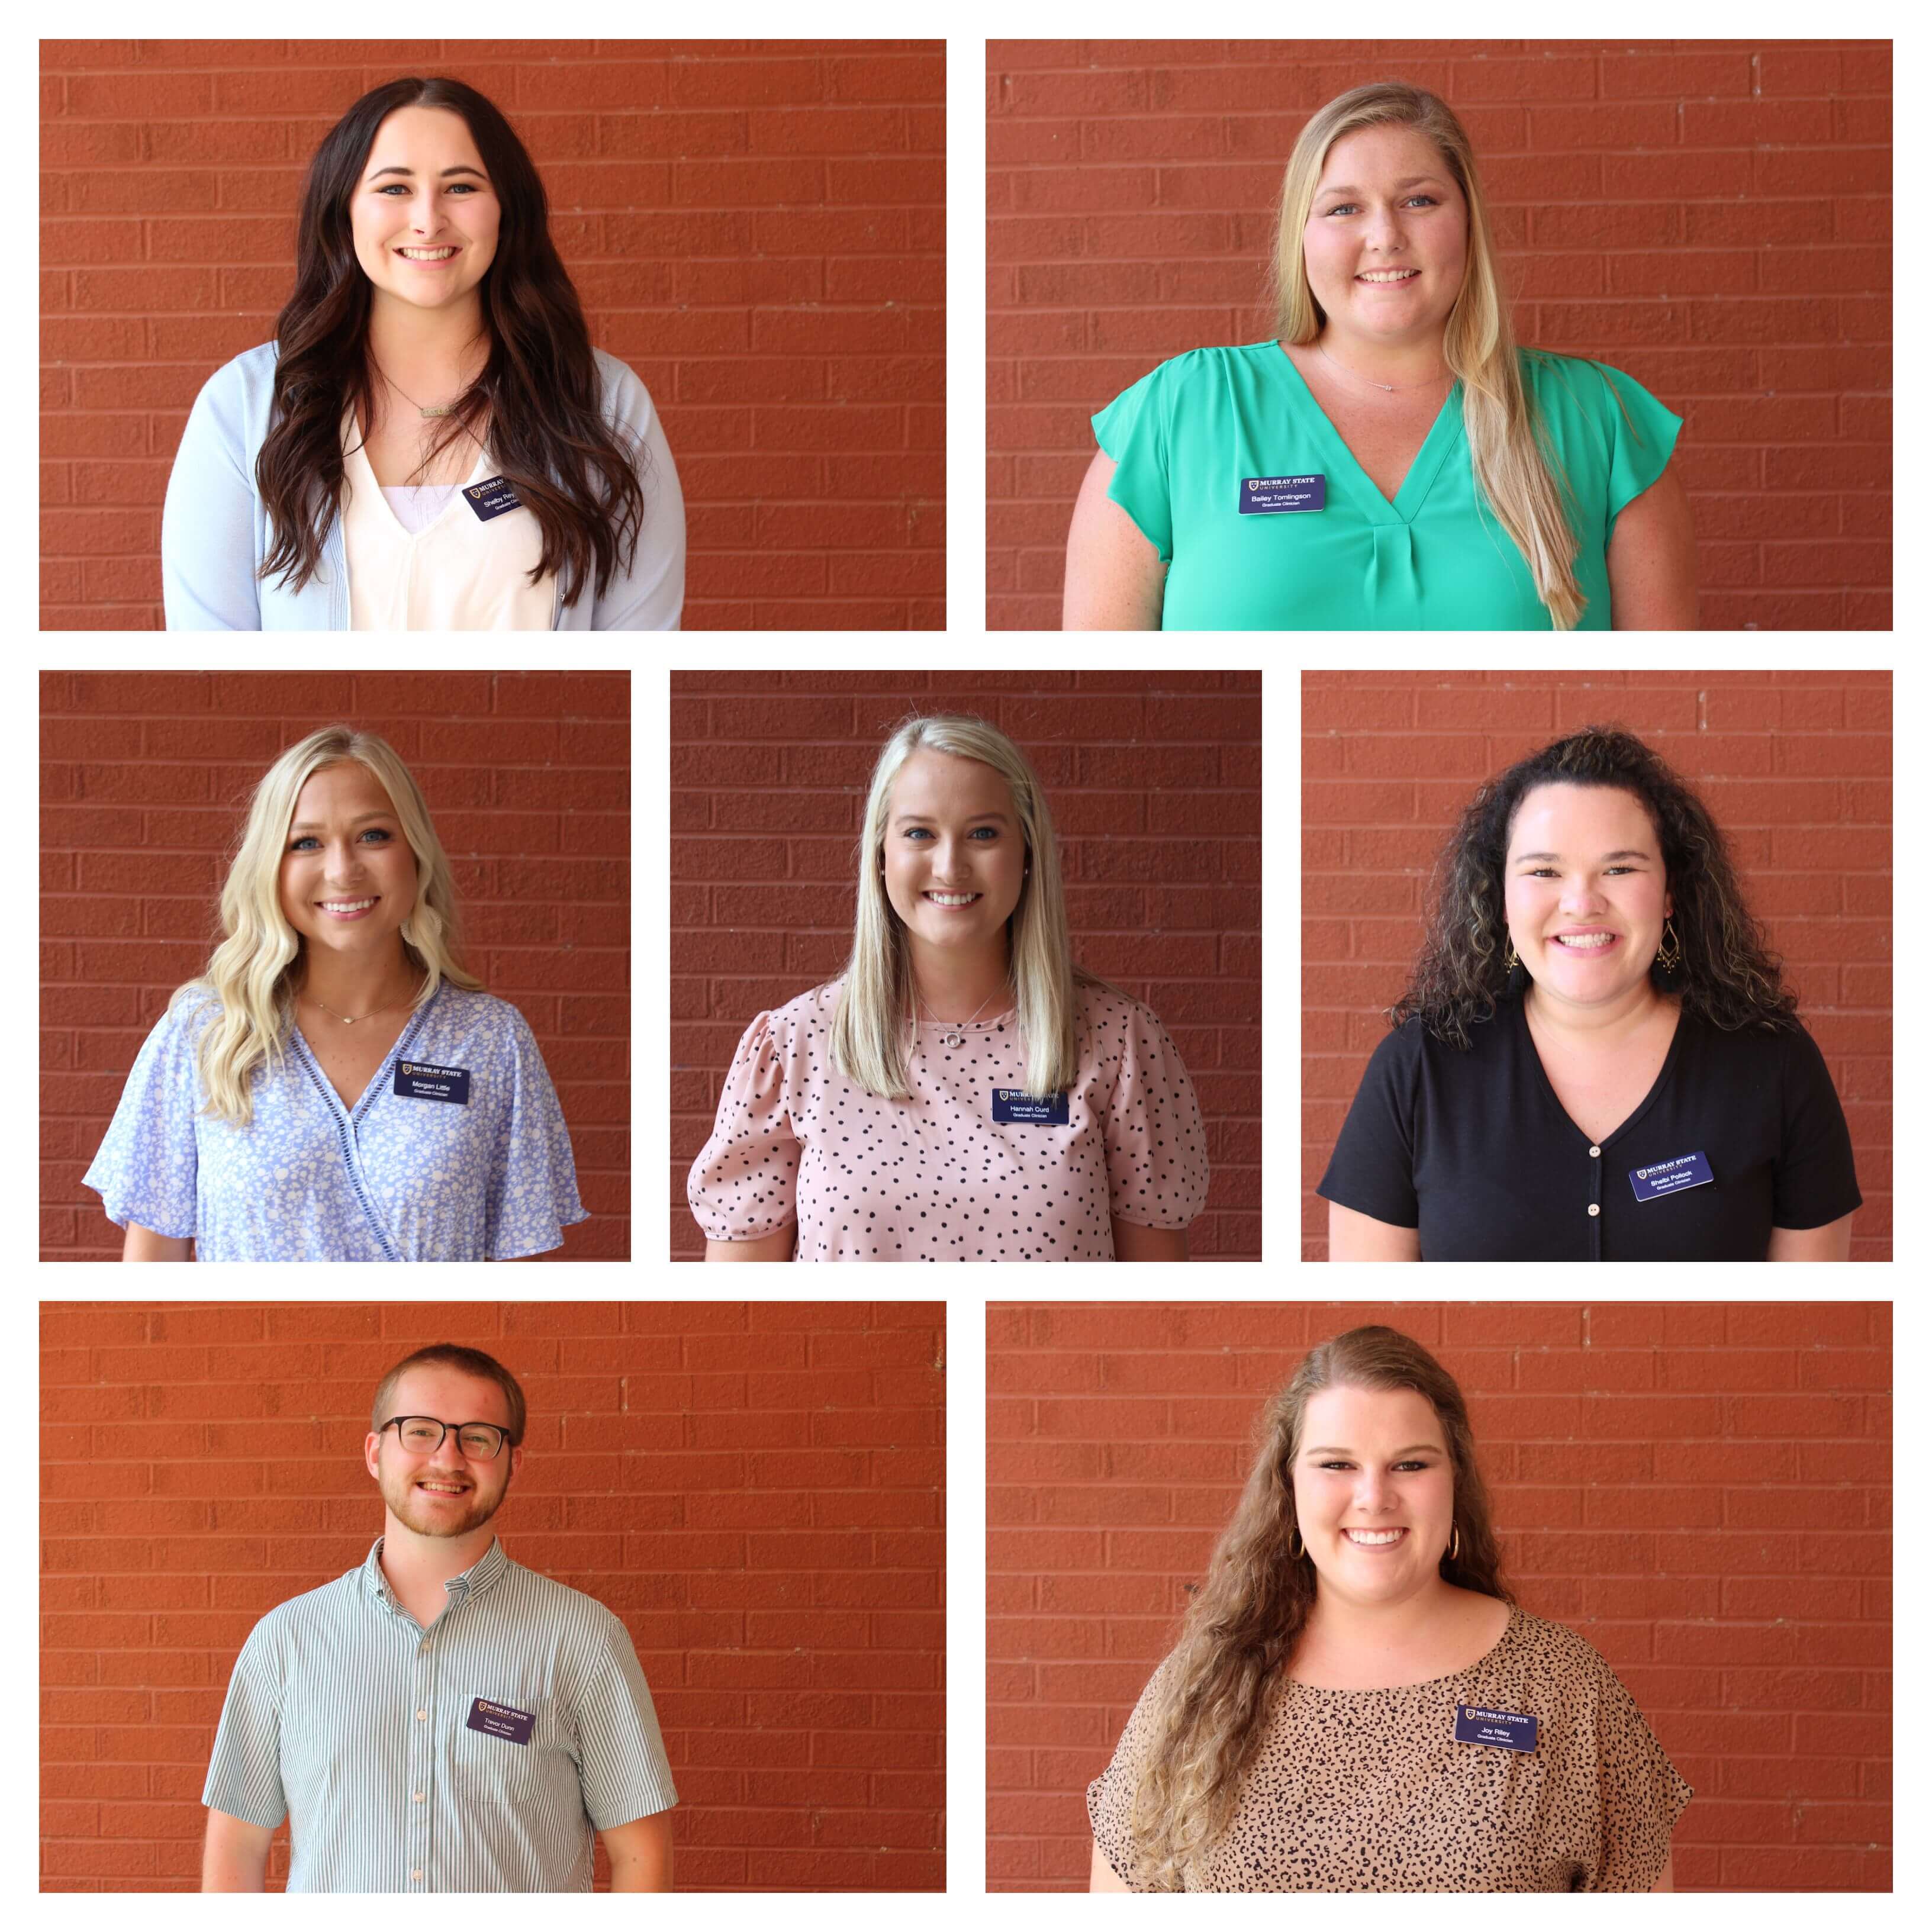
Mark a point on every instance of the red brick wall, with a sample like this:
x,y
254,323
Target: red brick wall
x,y
1701,1490
756,1489
145,778
758,228
1713,216
1154,780
1795,765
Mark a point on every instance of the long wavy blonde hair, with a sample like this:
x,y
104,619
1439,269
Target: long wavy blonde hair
x,y
1218,1688
252,975
871,1030
1516,469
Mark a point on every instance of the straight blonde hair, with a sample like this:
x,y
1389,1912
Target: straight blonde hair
x,y
871,1029
1516,469
251,975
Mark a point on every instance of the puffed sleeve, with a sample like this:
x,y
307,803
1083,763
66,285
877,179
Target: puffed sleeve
x,y
145,1170
1110,1797
1373,1169
1815,1181
1639,1794
1156,1150
1132,429
1641,434
744,1184
533,1193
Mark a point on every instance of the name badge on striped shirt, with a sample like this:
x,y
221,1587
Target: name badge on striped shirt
x,y
501,1721
1476,1725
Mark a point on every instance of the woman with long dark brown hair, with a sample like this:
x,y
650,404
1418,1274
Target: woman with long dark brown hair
x,y
430,442
1356,1702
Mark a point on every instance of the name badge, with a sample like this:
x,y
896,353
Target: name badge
x,y
1014,1104
501,1721
1671,1176
491,499
417,1080
1277,495
1507,1729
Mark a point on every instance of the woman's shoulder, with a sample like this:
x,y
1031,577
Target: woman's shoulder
x,y
1103,1009
809,1012
1579,383
1540,1643
1207,366
625,400
472,1006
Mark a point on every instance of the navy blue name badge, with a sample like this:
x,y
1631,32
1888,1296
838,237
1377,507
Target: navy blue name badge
x,y
501,1721
416,1080
1507,1729
491,499
1038,1110
1671,1176
1277,495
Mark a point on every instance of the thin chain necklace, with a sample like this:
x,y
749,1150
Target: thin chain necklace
x,y
1393,389
449,409
354,1019
952,1036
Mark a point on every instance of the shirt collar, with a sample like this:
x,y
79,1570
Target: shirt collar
x,y
484,1574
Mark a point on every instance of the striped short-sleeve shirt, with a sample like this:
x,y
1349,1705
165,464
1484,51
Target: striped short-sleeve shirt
x,y
481,1754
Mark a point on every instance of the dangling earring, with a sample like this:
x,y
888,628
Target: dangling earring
x,y
1670,951
1455,1542
1295,1556
1510,962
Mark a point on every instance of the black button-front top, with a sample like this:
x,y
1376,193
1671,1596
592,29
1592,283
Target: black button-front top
x,y
1474,1149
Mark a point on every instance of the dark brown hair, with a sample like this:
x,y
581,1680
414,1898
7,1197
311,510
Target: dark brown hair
x,y
1241,1629
466,1361
1728,976
540,388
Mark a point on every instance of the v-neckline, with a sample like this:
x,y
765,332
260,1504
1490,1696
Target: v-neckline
x,y
1422,470
1635,1114
350,1113
361,455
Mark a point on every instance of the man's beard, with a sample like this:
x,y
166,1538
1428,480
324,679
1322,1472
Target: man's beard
x,y
457,1517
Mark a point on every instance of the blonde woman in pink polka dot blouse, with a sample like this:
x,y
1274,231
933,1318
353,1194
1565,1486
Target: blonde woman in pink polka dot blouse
x,y
963,1091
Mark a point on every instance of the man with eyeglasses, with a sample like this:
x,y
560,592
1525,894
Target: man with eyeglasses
x,y
441,1719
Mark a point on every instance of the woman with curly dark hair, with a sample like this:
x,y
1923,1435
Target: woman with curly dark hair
x,y
1596,1059
430,442
1356,1702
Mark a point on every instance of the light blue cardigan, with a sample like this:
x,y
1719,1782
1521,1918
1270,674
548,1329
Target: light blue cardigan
x,y
215,532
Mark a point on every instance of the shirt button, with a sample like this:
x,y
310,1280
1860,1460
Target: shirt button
x,y
419,1797
1596,1153
1594,1209
416,1874
421,1715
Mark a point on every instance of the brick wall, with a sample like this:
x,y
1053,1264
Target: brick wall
x,y
145,778
756,227
1154,780
756,1489
1712,217
1701,1490
1795,765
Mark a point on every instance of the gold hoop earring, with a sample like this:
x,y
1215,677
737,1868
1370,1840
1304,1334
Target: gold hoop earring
x,y
1670,950
1455,1541
1295,1556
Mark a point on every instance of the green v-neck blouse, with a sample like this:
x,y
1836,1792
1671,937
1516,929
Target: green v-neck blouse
x,y
1229,468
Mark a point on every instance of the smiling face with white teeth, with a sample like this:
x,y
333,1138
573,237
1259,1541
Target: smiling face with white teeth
x,y
1386,200
954,862
348,874
423,187
447,1494
1375,1494
1586,897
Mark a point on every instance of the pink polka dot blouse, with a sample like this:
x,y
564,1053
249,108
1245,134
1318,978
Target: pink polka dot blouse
x,y
935,1177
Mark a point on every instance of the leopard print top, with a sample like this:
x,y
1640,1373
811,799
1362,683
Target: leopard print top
x,y
1369,1790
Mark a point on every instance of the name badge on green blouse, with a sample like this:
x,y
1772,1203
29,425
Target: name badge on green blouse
x,y
1277,495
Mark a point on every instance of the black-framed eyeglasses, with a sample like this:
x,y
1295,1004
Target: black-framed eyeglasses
x,y
422,1435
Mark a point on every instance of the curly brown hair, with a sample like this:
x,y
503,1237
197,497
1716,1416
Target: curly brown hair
x,y
1218,1688
1728,975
